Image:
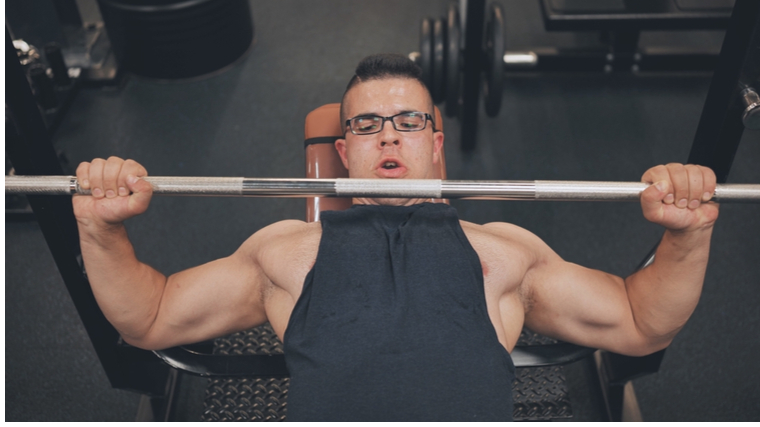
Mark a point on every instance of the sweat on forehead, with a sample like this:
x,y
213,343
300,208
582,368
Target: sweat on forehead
x,y
418,99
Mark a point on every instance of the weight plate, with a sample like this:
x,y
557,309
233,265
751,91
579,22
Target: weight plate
x,y
426,52
494,50
453,58
439,61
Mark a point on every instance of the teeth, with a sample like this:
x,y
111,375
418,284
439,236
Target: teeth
x,y
390,165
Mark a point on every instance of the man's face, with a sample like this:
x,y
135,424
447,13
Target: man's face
x,y
389,153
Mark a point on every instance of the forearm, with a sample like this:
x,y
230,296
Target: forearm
x,y
664,295
128,291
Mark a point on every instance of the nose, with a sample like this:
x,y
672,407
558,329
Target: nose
x,y
389,135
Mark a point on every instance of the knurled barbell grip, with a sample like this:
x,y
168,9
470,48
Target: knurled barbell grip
x,y
343,187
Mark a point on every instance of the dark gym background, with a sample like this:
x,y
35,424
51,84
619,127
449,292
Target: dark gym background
x,y
248,121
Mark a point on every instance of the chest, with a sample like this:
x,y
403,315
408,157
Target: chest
x,y
504,263
361,263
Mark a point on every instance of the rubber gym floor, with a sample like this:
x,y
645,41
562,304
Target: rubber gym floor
x,y
248,121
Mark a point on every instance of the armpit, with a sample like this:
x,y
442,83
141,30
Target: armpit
x,y
526,297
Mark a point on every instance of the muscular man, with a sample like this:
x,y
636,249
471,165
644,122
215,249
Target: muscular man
x,y
396,309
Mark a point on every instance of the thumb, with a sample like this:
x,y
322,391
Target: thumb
x,y
142,192
652,198
656,192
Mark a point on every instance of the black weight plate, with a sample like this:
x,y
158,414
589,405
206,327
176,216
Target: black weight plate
x,y
492,87
426,52
439,61
453,58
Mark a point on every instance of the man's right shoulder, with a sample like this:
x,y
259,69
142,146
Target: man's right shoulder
x,y
285,251
282,241
288,232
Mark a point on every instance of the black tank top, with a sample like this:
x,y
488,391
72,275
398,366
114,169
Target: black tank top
x,y
392,324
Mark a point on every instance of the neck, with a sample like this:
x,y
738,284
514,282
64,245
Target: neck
x,y
389,202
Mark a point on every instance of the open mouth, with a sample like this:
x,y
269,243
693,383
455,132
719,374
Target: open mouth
x,y
390,165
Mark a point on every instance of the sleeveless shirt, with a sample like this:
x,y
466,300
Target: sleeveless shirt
x,y
392,323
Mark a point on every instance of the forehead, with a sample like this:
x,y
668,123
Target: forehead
x,y
387,97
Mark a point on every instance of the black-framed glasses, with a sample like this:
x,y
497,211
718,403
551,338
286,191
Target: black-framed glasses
x,y
413,121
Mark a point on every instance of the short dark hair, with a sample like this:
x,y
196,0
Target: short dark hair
x,y
383,66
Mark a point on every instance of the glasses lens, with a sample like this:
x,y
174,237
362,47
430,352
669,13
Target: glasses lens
x,y
410,121
366,124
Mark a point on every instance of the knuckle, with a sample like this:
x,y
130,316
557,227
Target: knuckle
x,y
695,175
656,173
135,167
676,168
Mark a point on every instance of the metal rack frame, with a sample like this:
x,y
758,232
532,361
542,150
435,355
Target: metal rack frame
x,y
32,153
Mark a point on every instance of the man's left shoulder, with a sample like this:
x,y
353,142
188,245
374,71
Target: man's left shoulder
x,y
497,230
502,236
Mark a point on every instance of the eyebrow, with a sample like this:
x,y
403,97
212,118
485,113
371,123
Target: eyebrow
x,y
400,112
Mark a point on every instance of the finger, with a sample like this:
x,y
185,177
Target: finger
x,y
680,180
111,175
83,175
96,177
655,175
130,167
709,182
695,186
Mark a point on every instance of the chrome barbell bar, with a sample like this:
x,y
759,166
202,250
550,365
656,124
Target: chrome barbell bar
x,y
389,188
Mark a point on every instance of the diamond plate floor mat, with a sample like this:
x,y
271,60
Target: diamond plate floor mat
x,y
539,393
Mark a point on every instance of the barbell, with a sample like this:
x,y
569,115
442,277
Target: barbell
x,y
379,188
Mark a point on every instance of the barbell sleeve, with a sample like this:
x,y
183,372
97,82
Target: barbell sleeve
x,y
395,188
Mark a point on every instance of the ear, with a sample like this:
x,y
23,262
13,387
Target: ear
x,y
340,146
437,147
